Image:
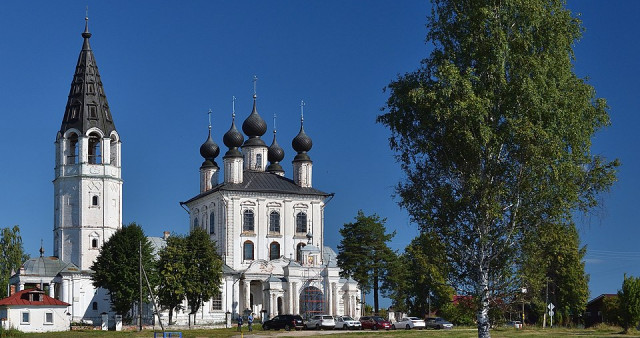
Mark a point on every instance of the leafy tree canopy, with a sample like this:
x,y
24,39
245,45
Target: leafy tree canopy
x,y
117,267
172,270
203,274
12,255
493,132
363,252
629,302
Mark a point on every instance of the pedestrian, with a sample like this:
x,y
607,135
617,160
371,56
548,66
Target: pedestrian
x,y
250,321
240,323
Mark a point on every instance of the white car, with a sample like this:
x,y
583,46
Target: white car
x,y
409,323
347,323
320,322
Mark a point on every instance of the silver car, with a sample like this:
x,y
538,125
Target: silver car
x,y
320,322
347,323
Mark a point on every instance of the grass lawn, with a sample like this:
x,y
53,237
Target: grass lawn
x,y
455,333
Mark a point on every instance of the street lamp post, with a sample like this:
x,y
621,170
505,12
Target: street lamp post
x,y
524,291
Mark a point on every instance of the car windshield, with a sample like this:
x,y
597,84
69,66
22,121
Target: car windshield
x,y
327,317
347,318
378,319
414,318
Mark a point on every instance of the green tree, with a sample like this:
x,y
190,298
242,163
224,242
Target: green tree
x,y
117,267
493,132
11,255
363,252
418,280
172,270
552,267
203,269
629,302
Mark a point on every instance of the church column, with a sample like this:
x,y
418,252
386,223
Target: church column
x,y
247,295
334,291
289,299
329,298
52,286
296,303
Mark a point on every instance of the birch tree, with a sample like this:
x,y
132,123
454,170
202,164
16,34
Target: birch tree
x,y
493,132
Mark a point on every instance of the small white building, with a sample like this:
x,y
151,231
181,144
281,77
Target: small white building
x,y
33,310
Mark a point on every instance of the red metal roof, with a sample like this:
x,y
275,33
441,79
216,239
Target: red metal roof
x,y
22,298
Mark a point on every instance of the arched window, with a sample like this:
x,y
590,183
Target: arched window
x,y
258,161
247,251
94,243
274,250
94,200
95,154
212,223
195,222
72,155
247,221
301,222
274,222
299,252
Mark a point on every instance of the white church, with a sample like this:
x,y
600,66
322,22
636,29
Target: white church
x,y
269,229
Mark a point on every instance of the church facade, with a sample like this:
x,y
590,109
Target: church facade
x,y
268,228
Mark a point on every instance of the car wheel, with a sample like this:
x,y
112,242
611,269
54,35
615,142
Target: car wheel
x,y
408,327
265,327
393,327
438,327
317,327
375,327
287,327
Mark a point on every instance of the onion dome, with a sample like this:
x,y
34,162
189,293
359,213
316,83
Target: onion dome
x,y
233,139
275,155
209,150
254,127
302,144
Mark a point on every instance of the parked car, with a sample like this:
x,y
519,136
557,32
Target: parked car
x,y
374,323
437,323
409,323
286,322
347,323
516,323
320,322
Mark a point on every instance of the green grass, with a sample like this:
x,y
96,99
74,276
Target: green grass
x,y
459,332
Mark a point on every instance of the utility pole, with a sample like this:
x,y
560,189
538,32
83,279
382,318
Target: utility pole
x,y
140,284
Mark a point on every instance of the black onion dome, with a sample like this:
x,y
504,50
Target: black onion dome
x,y
301,143
233,138
209,149
275,153
254,125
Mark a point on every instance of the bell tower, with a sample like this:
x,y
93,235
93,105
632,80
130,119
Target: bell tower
x,y
88,183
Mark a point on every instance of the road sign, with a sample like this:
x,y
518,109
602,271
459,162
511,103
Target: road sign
x,y
551,313
551,307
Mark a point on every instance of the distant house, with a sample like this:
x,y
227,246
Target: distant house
x,y
34,311
594,314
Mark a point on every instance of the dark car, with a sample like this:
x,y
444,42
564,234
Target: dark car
x,y
286,322
375,323
437,323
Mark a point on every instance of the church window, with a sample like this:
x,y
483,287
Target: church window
x,y
94,243
114,151
247,221
299,252
248,251
311,300
93,112
72,155
301,222
258,161
274,222
94,200
274,250
94,306
195,222
212,223
24,318
216,302
95,154
48,318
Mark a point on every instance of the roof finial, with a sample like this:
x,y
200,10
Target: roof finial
x,y
86,34
274,123
302,104
41,248
233,108
255,79
209,121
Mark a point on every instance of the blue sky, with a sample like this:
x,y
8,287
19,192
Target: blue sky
x,y
164,64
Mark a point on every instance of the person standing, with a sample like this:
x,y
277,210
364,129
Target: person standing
x,y
239,323
250,321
